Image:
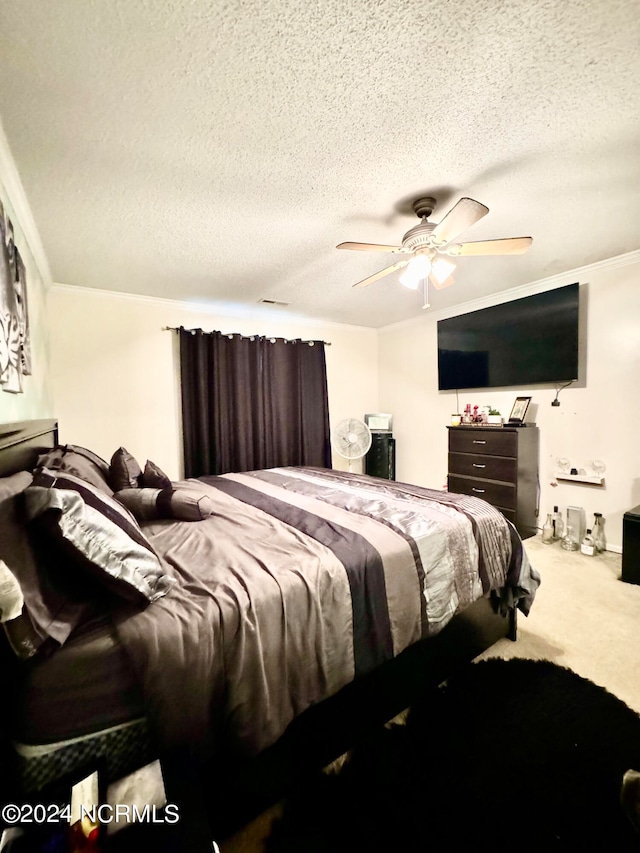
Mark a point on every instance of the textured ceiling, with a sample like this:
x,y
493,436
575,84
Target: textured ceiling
x,y
219,151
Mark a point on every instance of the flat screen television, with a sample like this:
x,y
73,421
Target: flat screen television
x,y
524,342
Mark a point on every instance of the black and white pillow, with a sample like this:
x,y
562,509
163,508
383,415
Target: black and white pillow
x,y
98,534
49,614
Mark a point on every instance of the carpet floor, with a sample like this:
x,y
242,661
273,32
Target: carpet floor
x,y
516,754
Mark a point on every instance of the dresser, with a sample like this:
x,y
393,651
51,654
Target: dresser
x,y
499,465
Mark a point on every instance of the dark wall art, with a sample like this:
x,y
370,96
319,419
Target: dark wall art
x,y
15,346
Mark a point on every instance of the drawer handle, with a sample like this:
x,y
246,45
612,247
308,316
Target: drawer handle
x,y
475,465
473,489
478,441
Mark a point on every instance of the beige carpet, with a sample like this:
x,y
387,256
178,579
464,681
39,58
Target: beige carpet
x,y
584,617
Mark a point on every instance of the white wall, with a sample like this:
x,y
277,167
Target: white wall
x,y
115,371
597,421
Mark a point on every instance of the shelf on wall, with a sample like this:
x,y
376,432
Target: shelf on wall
x,y
580,478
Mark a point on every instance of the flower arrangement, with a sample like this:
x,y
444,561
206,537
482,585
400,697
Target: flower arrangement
x,y
473,415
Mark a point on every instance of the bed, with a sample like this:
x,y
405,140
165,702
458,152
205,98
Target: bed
x,y
301,607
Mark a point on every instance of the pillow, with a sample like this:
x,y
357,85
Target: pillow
x,y
98,535
149,504
80,462
49,613
124,471
154,477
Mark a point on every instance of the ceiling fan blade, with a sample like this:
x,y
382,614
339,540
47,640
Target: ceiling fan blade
x,y
441,285
506,246
463,214
369,247
381,274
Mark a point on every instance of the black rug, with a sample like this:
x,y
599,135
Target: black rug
x,y
510,755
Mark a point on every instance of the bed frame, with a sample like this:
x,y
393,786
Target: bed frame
x,y
328,729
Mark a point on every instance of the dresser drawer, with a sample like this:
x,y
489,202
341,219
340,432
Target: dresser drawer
x,y
491,467
498,494
487,441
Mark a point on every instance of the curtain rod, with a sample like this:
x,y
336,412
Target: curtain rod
x,y
234,334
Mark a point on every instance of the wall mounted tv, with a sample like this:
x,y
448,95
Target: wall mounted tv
x,y
524,342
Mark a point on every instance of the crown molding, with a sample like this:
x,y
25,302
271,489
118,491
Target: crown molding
x,y
17,198
228,310
579,274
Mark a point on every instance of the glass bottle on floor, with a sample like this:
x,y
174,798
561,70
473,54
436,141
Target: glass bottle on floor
x,y
599,539
587,545
569,541
547,530
558,526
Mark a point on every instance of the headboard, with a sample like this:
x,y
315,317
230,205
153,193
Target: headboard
x,y
22,442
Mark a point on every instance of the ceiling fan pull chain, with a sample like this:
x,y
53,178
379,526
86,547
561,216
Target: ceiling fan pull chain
x,y
425,284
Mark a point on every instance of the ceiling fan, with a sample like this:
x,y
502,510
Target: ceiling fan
x,y
430,244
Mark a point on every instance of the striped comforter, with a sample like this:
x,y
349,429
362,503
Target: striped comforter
x,y
302,580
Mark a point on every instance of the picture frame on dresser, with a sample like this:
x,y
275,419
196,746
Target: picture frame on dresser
x,y
519,410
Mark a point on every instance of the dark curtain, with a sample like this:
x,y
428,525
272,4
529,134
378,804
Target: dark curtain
x,y
251,403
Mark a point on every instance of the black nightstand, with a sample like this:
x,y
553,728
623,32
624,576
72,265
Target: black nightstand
x,y
631,546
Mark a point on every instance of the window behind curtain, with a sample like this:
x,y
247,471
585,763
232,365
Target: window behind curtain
x,y
248,403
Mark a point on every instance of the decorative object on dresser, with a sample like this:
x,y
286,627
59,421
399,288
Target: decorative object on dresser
x,y
519,410
501,467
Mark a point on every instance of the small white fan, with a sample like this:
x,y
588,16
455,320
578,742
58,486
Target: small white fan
x,y
351,439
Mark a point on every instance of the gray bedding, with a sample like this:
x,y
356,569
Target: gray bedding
x,y
302,580
88,685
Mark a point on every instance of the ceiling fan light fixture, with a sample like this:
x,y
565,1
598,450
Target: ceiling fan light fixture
x,y
428,242
410,281
441,269
418,269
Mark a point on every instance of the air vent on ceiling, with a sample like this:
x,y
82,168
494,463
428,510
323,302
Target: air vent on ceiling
x,y
273,302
